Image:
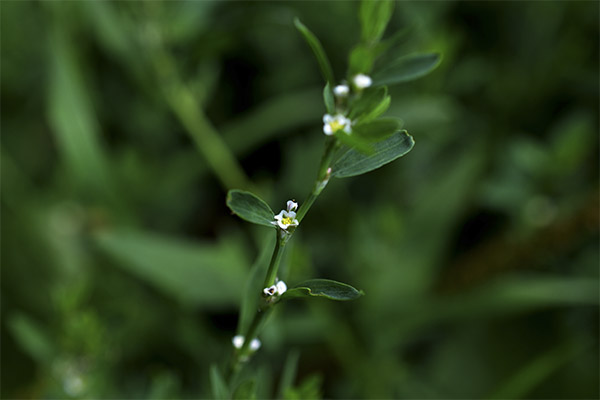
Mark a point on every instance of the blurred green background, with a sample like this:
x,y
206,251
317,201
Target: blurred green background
x,y
124,124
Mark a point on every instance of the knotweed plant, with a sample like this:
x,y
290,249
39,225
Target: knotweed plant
x,y
357,139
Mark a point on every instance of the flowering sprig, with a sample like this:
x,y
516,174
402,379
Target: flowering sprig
x,y
358,140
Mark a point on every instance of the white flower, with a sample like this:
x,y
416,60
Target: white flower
x,y
238,341
332,124
362,81
254,344
341,90
270,291
287,218
281,287
292,205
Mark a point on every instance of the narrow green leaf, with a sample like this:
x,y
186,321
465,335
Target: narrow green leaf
x,y
378,129
407,68
354,163
32,338
374,17
323,288
218,385
250,207
245,391
318,51
289,373
361,60
366,107
355,142
328,99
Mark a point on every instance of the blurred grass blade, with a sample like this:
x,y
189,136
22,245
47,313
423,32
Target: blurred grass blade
x,y
198,274
327,288
288,375
354,162
73,121
374,18
32,338
250,207
318,51
246,390
407,68
217,384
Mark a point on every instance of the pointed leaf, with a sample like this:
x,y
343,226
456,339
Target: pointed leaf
x,y
329,289
374,17
250,207
407,68
218,385
328,99
361,59
354,163
378,130
366,107
318,51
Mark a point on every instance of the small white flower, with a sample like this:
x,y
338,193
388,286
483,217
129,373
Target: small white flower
x,y
341,90
238,341
255,344
287,218
281,287
292,205
362,81
332,124
270,291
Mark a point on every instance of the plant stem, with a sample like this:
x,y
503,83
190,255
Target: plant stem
x,y
323,176
275,259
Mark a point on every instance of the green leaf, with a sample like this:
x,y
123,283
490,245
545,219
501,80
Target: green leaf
x,y
373,102
378,130
250,207
32,338
407,68
323,288
361,60
209,274
374,17
288,374
318,51
246,390
217,384
328,99
355,142
354,163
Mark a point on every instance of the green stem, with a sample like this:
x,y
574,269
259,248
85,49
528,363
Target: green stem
x,y
275,259
331,146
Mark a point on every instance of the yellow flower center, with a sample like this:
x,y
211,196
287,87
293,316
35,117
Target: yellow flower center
x,y
336,125
287,220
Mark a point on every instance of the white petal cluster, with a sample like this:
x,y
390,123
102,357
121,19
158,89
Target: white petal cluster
x,y
287,218
238,342
334,123
277,289
341,90
362,81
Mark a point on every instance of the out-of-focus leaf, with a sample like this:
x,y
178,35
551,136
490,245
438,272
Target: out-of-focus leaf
x,y
372,103
200,274
32,338
406,68
327,288
354,162
289,373
246,390
328,99
361,60
73,120
279,115
374,17
164,385
217,384
250,207
310,388
318,51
